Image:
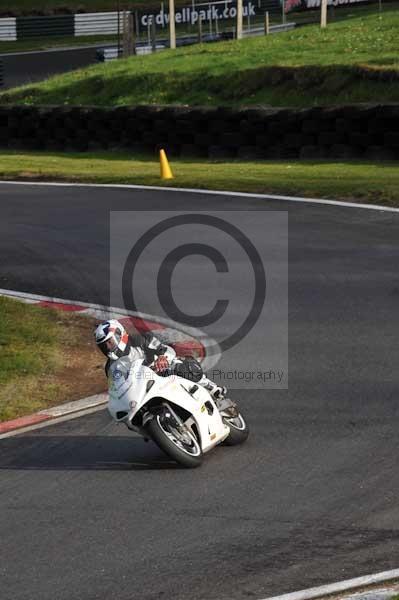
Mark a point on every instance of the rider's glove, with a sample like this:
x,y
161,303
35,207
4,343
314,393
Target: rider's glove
x,y
161,364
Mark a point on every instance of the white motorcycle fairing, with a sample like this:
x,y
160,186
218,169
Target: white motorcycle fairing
x,y
132,388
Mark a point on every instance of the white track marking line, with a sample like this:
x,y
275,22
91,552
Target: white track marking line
x,y
75,406
55,421
56,49
298,199
340,586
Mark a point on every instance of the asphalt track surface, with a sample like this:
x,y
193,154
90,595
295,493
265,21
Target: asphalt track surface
x,y
28,67
87,511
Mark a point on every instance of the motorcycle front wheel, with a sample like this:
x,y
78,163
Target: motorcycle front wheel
x,y
180,445
239,430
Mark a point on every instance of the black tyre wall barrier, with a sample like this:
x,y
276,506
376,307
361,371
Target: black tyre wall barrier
x,y
370,131
28,27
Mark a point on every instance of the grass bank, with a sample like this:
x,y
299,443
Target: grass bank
x,y
355,60
355,180
41,358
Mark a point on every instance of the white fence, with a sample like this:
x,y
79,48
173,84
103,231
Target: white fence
x,y
8,30
98,23
107,54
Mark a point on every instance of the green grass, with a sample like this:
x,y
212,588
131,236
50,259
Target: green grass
x,y
38,349
356,60
358,180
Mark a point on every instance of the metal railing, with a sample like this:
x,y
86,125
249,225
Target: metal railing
x,y
107,54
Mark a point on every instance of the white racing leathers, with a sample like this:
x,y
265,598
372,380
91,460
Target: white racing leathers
x,y
149,348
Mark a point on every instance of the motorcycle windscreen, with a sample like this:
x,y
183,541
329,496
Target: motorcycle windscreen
x,y
127,385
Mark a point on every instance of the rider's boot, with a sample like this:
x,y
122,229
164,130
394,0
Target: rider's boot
x,y
226,406
217,392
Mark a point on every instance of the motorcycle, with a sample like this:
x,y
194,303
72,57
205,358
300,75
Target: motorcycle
x,y
180,416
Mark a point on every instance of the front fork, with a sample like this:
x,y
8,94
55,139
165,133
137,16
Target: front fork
x,y
173,417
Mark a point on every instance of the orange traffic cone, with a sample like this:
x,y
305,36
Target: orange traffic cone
x,y
166,171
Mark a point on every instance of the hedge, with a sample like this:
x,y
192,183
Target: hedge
x,y
370,131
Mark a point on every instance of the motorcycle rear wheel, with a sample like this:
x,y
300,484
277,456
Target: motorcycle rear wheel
x,y
184,449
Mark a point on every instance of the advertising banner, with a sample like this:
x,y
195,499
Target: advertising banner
x,y
207,12
309,4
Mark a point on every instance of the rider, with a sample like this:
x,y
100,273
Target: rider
x,y
116,344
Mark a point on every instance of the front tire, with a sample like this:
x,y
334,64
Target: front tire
x,y
185,449
239,430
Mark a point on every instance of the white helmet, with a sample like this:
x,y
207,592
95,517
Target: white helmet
x,y
112,339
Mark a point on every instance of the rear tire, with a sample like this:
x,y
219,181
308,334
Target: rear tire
x,y
189,459
239,430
